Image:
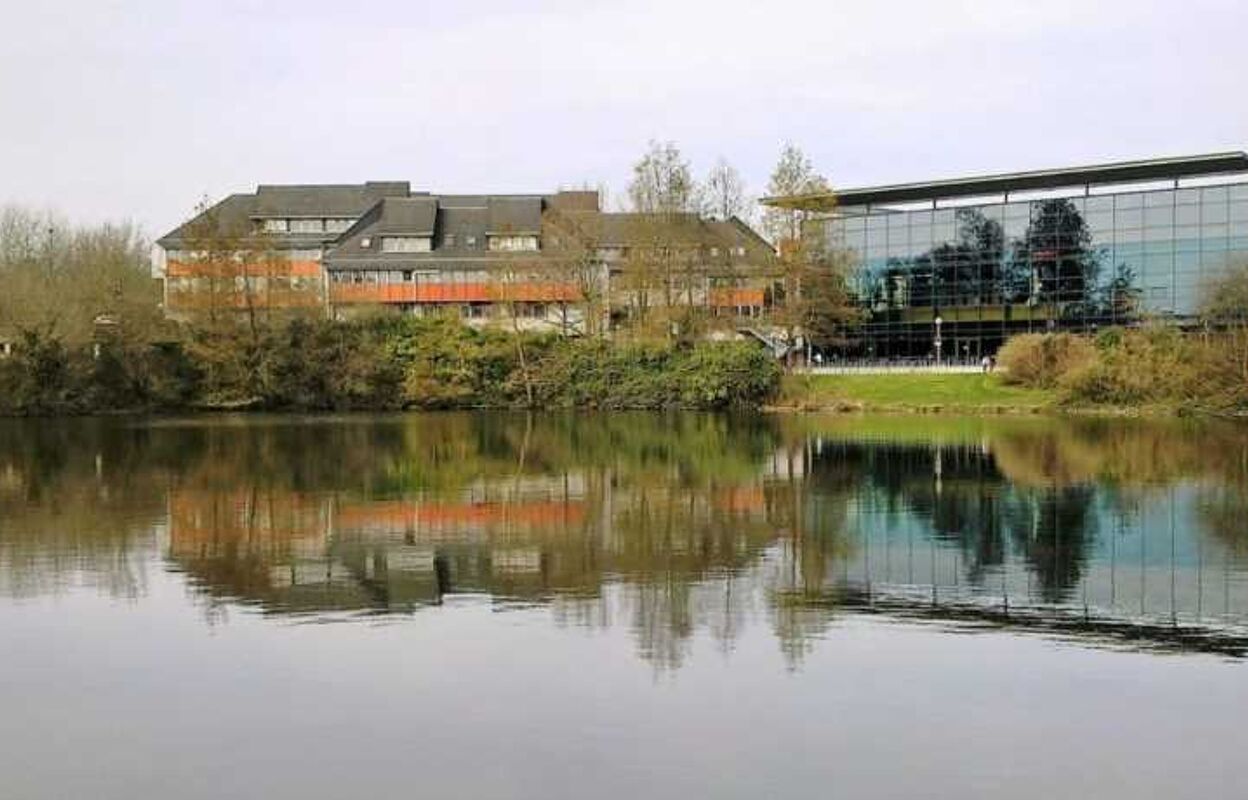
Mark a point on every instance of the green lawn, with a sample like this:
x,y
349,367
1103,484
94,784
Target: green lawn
x,y
921,391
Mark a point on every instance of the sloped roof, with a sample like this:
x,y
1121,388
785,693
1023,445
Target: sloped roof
x,y
327,200
407,216
514,215
233,215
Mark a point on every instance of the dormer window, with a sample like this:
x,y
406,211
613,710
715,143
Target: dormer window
x,y
513,244
405,244
307,226
338,225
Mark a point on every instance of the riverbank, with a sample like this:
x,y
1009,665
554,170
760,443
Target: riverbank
x,y
378,364
912,393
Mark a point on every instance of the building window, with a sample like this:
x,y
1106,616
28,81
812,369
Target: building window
x,y
307,226
714,251
405,244
448,240
470,241
513,244
338,225
305,255
275,226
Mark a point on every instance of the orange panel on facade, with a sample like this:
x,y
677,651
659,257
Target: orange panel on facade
x,y
733,298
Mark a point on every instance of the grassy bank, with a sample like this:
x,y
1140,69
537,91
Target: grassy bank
x,y
911,392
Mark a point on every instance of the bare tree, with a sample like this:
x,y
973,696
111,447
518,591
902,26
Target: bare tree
x,y
575,268
67,279
724,193
662,182
794,175
663,242
811,299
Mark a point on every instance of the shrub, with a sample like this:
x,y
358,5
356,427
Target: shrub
x,y
1133,367
1040,360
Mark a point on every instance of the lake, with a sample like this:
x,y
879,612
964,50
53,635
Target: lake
x,y
503,605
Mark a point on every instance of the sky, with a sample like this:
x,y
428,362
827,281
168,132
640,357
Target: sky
x,y
135,111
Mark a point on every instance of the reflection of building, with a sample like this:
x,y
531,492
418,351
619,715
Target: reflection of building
x,y
1055,249
479,256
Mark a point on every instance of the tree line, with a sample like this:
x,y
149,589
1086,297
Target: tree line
x,y
82,327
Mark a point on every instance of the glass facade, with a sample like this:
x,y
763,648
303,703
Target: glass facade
x,y
1067,263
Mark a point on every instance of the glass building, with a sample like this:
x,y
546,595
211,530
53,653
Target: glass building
x,y
969,262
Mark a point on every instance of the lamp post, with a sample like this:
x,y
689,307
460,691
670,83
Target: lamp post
x,y
938,342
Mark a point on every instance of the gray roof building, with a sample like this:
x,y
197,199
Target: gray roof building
x,y
379,224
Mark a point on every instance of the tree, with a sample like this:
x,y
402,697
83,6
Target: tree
x,y
662,247
811,297
662,182
63,279
794,175
724,193
237,266
573,243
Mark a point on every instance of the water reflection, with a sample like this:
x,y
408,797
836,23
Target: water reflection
x,y
1107,531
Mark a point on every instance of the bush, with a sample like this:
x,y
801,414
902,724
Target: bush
x,y
1040,360
1134,367
384,362
597,374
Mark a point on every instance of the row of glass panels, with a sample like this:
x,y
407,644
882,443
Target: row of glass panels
x,y
1162,247
1216,216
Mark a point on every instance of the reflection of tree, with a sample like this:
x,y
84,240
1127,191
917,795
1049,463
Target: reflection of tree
x,y
669,525
1120,299
966,271
80,502
1223,511
963,496
1054,529
1055,262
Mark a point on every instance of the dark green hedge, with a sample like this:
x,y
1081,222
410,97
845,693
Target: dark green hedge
x,y
380,363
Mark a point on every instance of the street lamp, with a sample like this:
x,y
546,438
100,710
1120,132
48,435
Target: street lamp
x,y
938,342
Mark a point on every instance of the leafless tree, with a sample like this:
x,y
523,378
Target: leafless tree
x,y
724,194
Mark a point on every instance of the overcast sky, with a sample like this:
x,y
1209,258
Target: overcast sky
x,y
135,110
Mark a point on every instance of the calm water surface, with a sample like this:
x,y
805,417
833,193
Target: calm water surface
x,y
502,605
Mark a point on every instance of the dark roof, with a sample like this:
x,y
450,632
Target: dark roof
x,y
286,202
511,215
233,214
407,216
1097,174
348,200
451,221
